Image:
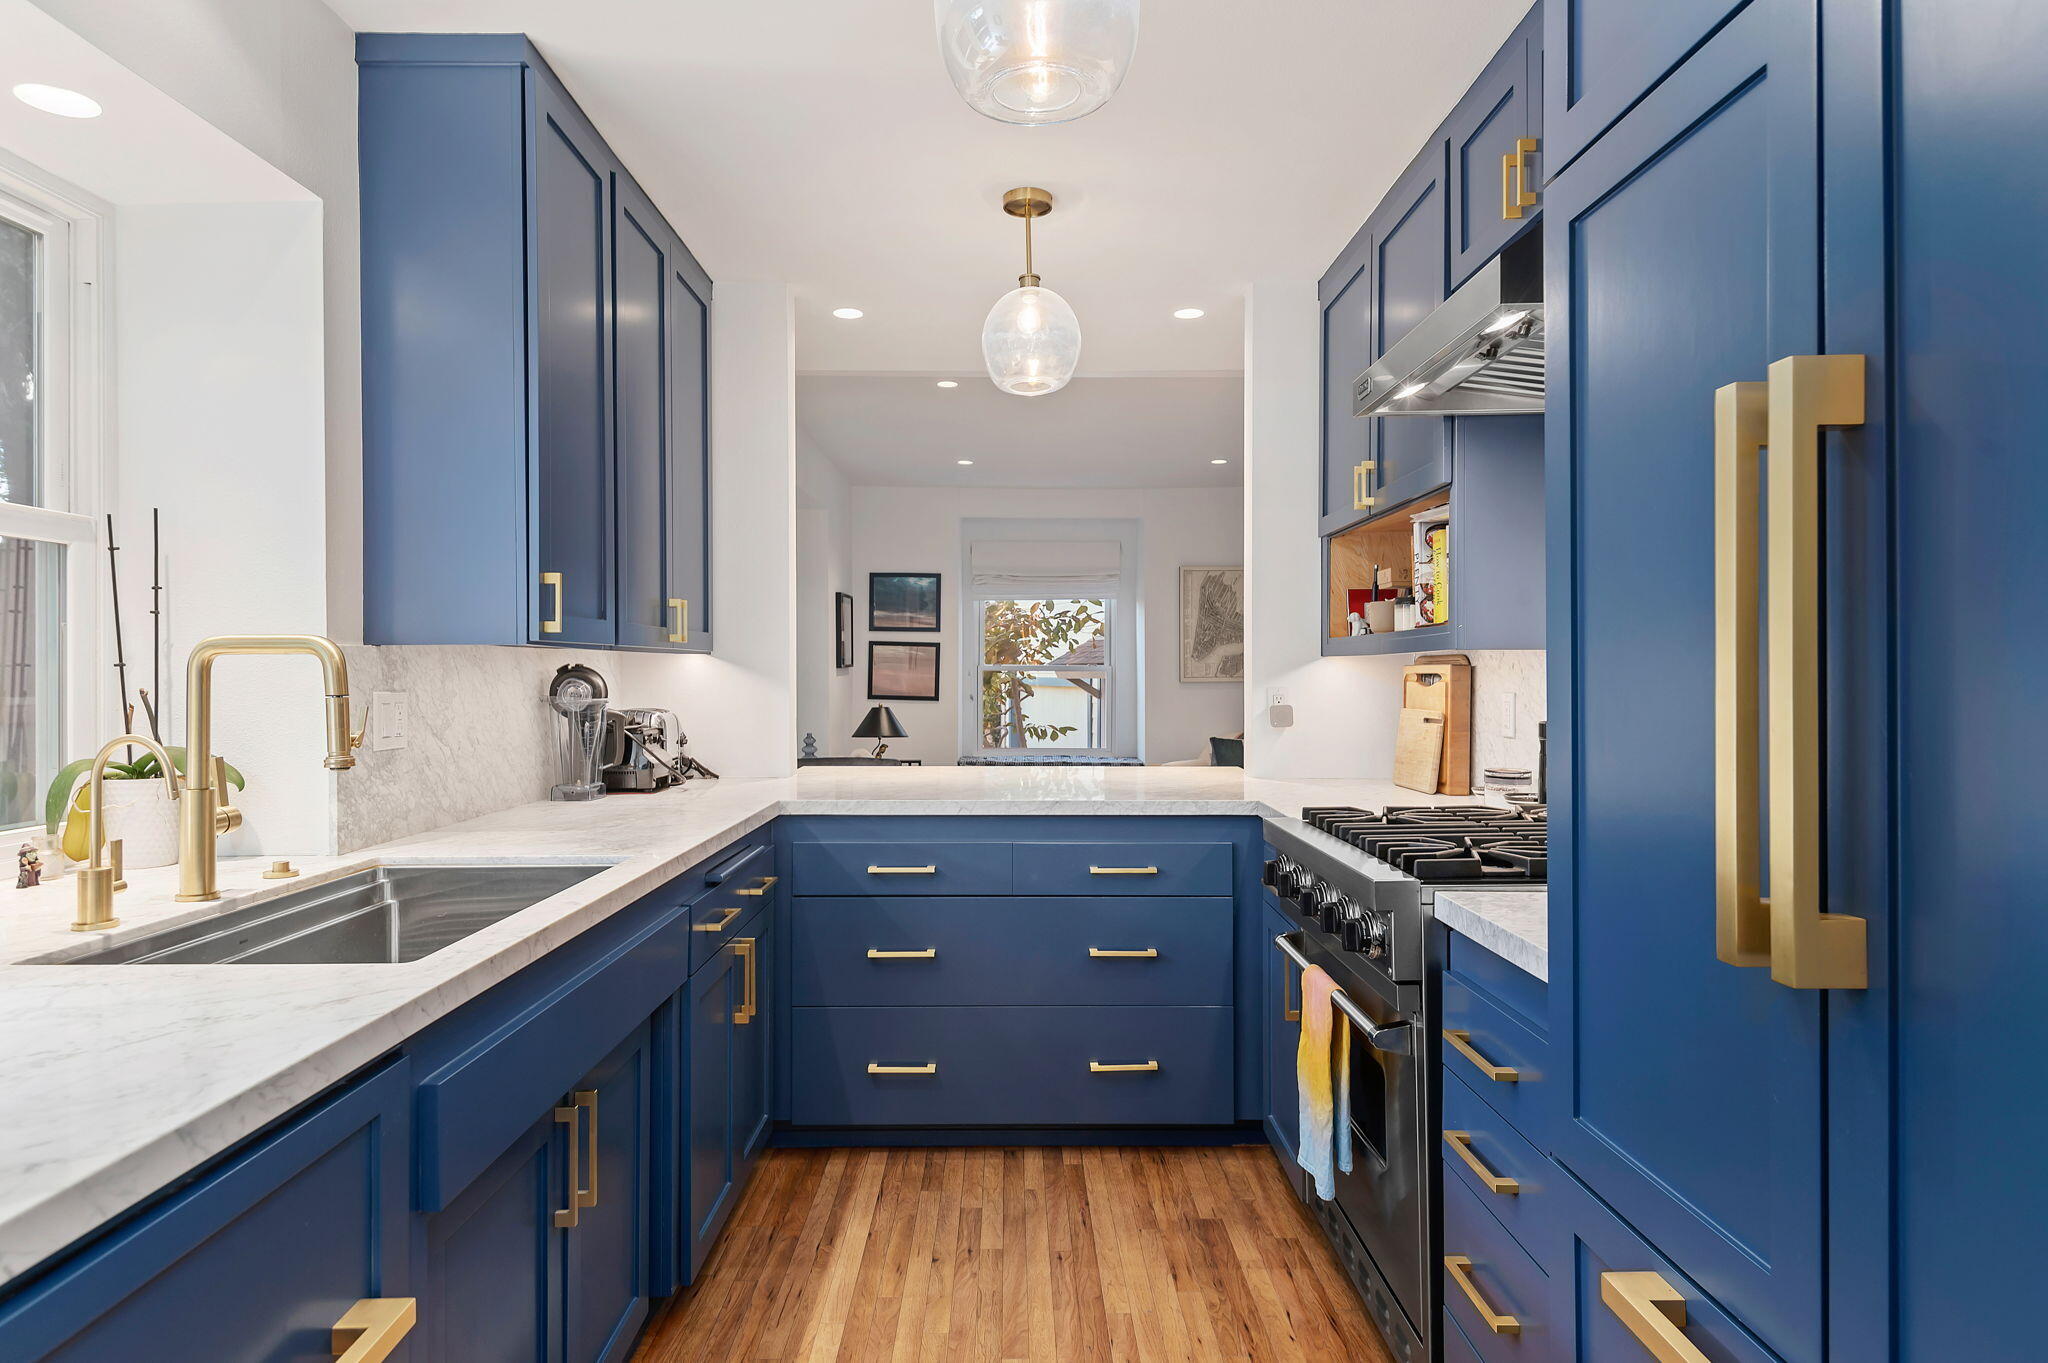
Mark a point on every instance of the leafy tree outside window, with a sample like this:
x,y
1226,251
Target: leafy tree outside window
x,y
1045,675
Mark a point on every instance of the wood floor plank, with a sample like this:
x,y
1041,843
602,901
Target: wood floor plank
x,y
1096,1255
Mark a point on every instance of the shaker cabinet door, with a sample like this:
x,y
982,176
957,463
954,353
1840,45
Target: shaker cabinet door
x,y
711,1155
494,1257
1600,56
606,1298
643,252
1346,297
688,501
1408,232
1495,177
1694,1088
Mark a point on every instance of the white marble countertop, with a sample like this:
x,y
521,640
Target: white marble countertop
x,y
1512,924
115,1081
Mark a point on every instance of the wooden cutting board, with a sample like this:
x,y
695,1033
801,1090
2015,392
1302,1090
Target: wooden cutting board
x,y
1419,750
1442,683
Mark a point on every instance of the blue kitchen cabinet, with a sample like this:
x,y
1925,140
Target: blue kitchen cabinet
x,y
1280,1025
534,457
1601,56
1411,454
1491,145
1345,294
605,1287
726,1114
254,1260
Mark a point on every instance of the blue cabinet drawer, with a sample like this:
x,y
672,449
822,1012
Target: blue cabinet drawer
x,y
1457,1348
1124,868
1014,1066
928,867
736,890
1504,1061
942,950
1493,1290
1498,1165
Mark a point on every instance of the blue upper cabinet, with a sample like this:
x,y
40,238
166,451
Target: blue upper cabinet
x,y
1600,56
1412,454
1682,254
1346,297
534,464
1491,142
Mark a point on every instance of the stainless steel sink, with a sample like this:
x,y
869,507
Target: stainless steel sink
x,y
382,914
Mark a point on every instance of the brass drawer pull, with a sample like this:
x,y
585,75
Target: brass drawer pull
x,y
1461,1042
1360,501
923,954
748,950
1123,870
368,1331
1742,918
1654,1312
1461,1141
568,1215
1142,1067
767,884
903,870
724,920
1111,953
587,1100
681,610
932,1068
553,625
1459,1269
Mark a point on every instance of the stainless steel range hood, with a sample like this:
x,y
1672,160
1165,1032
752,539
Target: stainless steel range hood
x,y
1479,353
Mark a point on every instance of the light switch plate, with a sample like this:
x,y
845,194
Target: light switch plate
x,y
390,711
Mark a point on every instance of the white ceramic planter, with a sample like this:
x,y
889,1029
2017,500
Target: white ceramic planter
x,y
144,817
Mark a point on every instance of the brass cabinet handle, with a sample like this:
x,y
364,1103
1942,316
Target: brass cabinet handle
x,y
767,884
1461,1141
747,950
1289,1011
1742,925
932,1068
1459,1268
1112,953
1141,1067
1510,202
1123,870
1461,1042
1359,500
903,870
724,920
922,954
572,1212
1525,197
368,1331
1654,1312
553,625
680,610
587,1100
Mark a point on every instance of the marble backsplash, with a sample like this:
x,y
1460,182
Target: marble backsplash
x,y
1508,691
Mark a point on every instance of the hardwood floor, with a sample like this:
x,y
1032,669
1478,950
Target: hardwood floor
x,y
966,1256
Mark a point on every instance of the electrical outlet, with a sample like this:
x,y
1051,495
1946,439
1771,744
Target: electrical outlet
x,y
1275,696
1507,724
390,711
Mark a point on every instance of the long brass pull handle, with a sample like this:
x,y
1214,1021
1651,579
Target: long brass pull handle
x,y
1742,923
572,1212
1525,197
1810,949
553,625
1141,1067
932,1068
1459,1269
1123,870
1654,1312
1461,1042
903,870
1461,1141
767,884
680,610
368,1331
1510,202
922,954
1112,953
1359,500
724,920
745,949
587,1100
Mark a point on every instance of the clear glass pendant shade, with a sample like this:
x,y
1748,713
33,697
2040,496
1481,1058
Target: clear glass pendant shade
x,y
1031,342
1037,61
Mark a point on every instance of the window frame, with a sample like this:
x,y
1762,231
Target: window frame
x,y
74,385
1109,670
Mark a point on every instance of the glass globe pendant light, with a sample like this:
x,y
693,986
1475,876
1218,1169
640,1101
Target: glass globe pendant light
x,y
1037,61
1031,340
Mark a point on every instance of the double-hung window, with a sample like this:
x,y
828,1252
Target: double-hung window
x,y
48,396
1042,615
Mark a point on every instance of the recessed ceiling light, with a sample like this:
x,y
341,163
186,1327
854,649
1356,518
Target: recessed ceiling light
x,y
1219,461
55,99
848,314
949,383
1187,314
963,461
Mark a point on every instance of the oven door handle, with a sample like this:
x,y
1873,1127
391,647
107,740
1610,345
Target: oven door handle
x,y
1395,1037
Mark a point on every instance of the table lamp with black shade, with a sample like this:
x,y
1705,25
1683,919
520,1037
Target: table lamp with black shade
x,y
880,723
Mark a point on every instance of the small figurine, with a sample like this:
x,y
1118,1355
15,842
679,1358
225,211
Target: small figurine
x,y
810,745
1358,625
31,863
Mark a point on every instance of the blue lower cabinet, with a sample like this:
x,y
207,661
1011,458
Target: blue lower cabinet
x,y
1010,1066
1280,1025
1493,1290
1123,868
726,1024
606,1268
254,1261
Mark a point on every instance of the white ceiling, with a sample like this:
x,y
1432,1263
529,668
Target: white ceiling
x,y
902,431
820,142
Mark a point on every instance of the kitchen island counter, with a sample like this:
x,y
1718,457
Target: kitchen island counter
x,y
1512,924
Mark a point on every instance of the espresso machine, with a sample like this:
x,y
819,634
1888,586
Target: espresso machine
x,y
643,751
603,749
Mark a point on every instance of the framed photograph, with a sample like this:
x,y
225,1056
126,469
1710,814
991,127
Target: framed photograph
x,y
842,629
903,601
902,671
1212,624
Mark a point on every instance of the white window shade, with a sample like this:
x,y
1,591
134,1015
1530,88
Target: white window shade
x,y
1047,568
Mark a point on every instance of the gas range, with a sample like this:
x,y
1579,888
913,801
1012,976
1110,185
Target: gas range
x,y
1446,844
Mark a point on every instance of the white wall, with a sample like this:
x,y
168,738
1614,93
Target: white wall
x,y
918,530
825,695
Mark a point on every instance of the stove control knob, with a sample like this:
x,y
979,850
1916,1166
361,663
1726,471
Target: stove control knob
x,y
1277,868
1354,930
1301,888
1375,934
1332,908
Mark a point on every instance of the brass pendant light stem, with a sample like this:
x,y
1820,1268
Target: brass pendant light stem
x,y
1027,203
